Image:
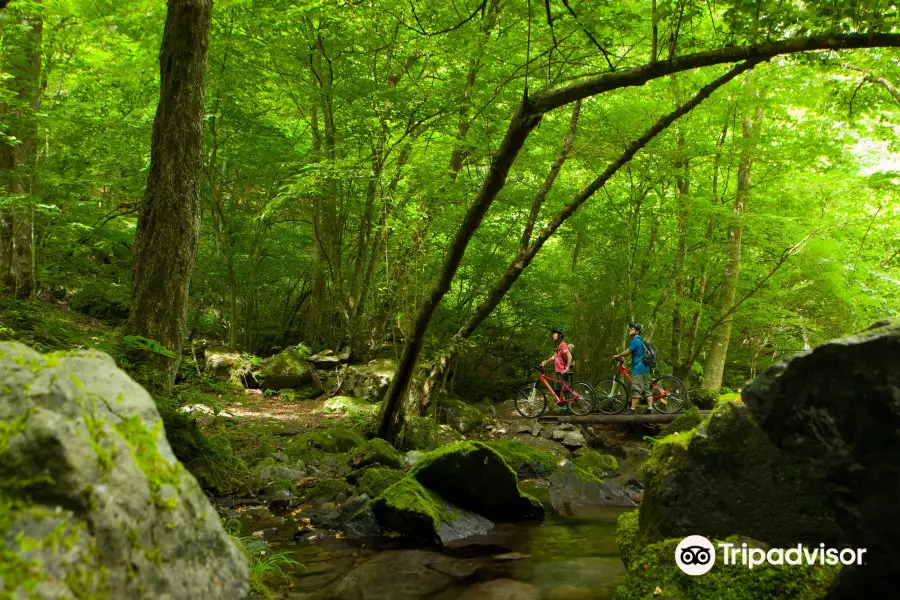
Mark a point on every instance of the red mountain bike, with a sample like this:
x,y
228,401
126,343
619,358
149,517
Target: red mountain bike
x,y
668,392
531,400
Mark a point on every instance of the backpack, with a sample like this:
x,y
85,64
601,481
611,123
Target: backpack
x,y
572,352
649,355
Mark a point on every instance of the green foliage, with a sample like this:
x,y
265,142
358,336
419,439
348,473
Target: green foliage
x,y
103,300
137,342
265,566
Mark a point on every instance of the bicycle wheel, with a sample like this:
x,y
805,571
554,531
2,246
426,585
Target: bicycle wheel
x,y
669,394
531,402
611,396
585,398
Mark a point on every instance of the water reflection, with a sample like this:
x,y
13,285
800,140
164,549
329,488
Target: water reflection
x,y
557,559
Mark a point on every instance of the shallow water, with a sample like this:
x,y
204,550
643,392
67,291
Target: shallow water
x,y
556,559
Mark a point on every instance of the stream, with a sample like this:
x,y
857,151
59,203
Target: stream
x,y
555,559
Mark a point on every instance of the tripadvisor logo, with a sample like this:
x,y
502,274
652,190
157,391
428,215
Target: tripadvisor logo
x,y
695,555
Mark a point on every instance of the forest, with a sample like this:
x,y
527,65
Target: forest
x,y
222,195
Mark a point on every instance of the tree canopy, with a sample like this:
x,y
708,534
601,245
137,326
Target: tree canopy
x,y
724,172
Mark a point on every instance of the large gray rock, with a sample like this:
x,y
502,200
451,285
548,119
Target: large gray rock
x,y
749,487
370,381
461,416
835,411
100,500
574,491
504,589
402,575
287,369
810,458
220,362
326,360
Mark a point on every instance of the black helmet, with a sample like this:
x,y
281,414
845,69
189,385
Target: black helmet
x,y
637,326
558,330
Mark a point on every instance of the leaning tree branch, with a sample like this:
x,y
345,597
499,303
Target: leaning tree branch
x,y
636,76
524,121
524,258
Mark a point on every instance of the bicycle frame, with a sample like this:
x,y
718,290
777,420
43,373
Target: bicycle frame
x,y
564,387
624,372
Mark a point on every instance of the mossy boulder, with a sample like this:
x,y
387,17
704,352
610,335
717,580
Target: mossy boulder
x,y
93,503
335,440
834,412
287,369
684,422
377,451
475,477
559,452
328,490
460,415
376,479
726,477
628,536
526,461
348,405
653,566
370,381
599,465
221,362
409,508
327,360
422,433
575,491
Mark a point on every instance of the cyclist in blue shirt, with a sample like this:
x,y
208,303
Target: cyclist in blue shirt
x,y
640,373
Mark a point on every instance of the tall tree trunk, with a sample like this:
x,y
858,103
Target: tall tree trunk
x,y
705,260
521,125
318,253
165,244
721,335
682,186
22,59
460,150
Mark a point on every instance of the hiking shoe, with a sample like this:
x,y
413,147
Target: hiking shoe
x,y
631,411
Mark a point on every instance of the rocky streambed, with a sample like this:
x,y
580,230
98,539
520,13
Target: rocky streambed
x,y
558,558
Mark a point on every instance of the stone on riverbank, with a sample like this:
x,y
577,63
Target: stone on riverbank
x,y
85,467
287,369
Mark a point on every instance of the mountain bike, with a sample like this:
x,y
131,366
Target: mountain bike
x,y
531,400
669,393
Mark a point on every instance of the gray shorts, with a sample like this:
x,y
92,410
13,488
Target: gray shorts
x,y
640,385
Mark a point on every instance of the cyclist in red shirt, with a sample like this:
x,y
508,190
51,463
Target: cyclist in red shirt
x,y
562,358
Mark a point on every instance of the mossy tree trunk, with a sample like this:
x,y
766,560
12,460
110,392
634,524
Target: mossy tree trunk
x,y
165,244
22,44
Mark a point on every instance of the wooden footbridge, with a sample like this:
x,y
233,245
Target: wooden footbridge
x,y
611,419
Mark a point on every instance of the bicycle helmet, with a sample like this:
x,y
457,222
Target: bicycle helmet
x,y
638,326
558,330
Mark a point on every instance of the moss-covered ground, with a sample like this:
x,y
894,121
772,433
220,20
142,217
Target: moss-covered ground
x,y
654,567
